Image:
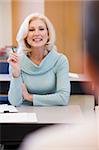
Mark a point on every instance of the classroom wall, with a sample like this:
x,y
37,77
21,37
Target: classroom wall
x,y
67,17
5,23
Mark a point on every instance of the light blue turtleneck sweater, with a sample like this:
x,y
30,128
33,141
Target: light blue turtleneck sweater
x,y
48,82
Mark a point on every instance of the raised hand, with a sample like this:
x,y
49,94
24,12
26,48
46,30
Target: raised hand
x,y
14,61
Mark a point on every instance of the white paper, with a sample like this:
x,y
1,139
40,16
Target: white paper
x,y
7,108
18,117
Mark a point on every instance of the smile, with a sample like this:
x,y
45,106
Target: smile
x,y
37,39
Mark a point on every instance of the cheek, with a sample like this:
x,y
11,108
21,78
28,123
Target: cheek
x,y
29,40
29,35
46,36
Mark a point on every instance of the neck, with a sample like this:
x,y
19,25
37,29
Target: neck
x,y
37,54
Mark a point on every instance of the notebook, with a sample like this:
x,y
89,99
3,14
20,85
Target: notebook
x,y
5,108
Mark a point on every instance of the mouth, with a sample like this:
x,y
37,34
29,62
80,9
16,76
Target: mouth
x,y
37,39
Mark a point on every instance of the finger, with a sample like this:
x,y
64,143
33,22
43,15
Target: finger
x,y
12,59
14,54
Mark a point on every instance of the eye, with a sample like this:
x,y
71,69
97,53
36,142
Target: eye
x,y
41,29
31,30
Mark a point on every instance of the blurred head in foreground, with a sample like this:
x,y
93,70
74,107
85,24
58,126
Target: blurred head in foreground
x,y
92,41
62,137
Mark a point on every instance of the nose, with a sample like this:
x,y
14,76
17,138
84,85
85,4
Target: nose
x,y
36,32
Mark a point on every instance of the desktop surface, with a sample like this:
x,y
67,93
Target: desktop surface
x,y
13,133
55,114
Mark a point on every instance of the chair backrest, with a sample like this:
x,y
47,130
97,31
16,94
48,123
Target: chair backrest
x,y
4,68
4,99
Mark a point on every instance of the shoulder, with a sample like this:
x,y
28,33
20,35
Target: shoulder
x,y
24,58
62,60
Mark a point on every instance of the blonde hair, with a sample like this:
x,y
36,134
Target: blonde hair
x,y
23,31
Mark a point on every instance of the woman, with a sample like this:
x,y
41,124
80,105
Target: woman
x,y
39,72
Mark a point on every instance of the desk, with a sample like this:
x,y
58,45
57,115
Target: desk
x,y
72,77
13,133
77,83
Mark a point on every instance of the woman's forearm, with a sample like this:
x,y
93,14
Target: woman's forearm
x,y
15,91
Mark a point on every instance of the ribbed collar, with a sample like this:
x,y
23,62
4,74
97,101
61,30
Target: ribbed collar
x,y
47,63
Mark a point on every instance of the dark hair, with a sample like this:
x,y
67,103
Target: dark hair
x,y
92,31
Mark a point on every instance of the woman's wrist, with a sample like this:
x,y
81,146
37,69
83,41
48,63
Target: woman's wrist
x,y
15,73
15,76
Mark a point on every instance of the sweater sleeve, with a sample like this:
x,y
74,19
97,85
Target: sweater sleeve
x,y
61,96
15,91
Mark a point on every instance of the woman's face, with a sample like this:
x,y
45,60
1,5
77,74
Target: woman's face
x,y
37,33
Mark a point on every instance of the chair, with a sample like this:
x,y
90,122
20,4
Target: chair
x,y
4,69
